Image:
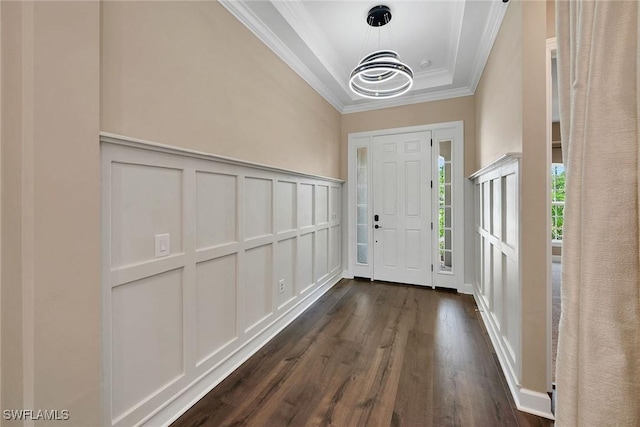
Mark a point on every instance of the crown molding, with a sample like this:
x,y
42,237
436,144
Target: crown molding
x,y
456,36
299,18
494,21
408,100
294,13
247,17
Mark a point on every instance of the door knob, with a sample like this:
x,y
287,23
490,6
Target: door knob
x,y
376,226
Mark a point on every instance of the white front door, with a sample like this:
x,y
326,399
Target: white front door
x,y
402,208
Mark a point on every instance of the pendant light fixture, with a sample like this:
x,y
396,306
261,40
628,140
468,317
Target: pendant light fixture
x,y
380,74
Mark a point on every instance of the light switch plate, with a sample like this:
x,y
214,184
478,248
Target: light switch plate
x,y
163,245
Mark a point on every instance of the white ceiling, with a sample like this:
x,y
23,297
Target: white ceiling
x,y
323,40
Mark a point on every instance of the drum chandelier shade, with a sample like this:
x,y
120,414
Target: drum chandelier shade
x,y
380,74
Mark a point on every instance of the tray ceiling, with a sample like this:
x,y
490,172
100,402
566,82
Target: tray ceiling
x,y
323,40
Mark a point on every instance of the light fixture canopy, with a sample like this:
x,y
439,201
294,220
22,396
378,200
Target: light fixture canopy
x,y
380,74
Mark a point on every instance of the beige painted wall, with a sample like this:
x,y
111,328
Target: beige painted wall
x,y
10,128
189,74
535,196
511,116
551,18
51,200
412,115
162,80
499,93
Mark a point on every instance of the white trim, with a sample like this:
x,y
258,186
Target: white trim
x,y
551,46
159,406
346,274
497,163
298,18
488,38
363,139
556,258
408,100
196,390
170,149
302,22
355,269
248,18
455,134
466,289
526,400
455,36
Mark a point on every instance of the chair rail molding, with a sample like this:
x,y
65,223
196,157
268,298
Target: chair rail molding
x,y
204,260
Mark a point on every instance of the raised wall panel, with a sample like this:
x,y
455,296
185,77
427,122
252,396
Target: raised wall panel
x,y
258,208
286,207
305,261
486,206
146,338
498,292
322,247
286,259
145,201
512,303
175,326
498,301
305,206
335,203
496,208
258,284
215,209
216,288
487,258
322,204
510,210
335,243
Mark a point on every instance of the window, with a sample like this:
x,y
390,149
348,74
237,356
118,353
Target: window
x,y
445,207
362,210
557,200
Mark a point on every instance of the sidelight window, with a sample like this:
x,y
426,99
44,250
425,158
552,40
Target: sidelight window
x,y
362,209
445,206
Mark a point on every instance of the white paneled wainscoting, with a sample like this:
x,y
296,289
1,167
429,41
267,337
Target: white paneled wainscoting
x,y
498,284
204,260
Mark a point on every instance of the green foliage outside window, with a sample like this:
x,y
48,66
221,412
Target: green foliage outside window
x,y
558,180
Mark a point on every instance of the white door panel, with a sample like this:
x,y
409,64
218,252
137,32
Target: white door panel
x,y
401,200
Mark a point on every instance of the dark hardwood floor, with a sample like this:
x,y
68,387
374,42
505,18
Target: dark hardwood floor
x,y
370,354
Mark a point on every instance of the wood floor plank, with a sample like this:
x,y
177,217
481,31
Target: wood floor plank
x,y
370,354
414,400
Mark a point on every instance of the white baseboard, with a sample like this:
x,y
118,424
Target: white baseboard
x,y
534,402
466,289
526,400
346,274
195,391
556,258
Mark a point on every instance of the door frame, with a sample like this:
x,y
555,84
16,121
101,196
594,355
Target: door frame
x,y
550,54
448,130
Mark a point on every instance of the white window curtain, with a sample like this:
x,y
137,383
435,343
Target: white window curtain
x,y
598,369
